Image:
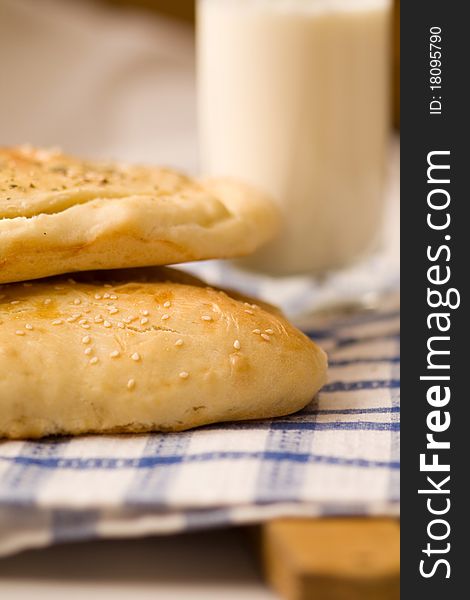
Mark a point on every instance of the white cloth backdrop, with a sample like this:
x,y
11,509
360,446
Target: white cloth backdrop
x,y
96,81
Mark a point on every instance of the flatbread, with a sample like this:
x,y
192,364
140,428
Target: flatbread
x,y
59,214
145,350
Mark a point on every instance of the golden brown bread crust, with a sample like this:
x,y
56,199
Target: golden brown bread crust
x,y
144,350
59,214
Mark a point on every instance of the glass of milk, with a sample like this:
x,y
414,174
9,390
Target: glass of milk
x,y
294,98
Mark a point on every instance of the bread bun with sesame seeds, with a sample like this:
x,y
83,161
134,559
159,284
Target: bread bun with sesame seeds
x,y
59,214
144,350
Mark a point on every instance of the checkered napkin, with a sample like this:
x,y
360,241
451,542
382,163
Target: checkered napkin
x,y
338,456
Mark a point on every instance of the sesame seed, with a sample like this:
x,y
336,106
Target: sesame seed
x,y
184,374
131,318
167,304
131,384
236,345
106,295
93,360
179,342
206,318
113,297
165,317
98,296
82,321
120,325
98,319
265,337
135,356
107,285
254,306
85,326
249,312
145,312
115,354
15,302
71,281
19,332
57,322
28,326
258,331
73,318
113,310
144,320
107,324
88,351
58,287
47,301
77,301
86,339
271,331
127,320
27,284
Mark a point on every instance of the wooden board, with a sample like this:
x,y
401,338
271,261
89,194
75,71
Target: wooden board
x,y
332,558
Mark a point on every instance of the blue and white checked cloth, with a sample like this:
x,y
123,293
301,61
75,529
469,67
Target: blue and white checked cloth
x,y
338,456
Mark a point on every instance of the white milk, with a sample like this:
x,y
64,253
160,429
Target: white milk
x,y
293,97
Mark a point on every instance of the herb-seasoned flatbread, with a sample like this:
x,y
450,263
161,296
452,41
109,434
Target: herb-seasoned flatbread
x,y
59,214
